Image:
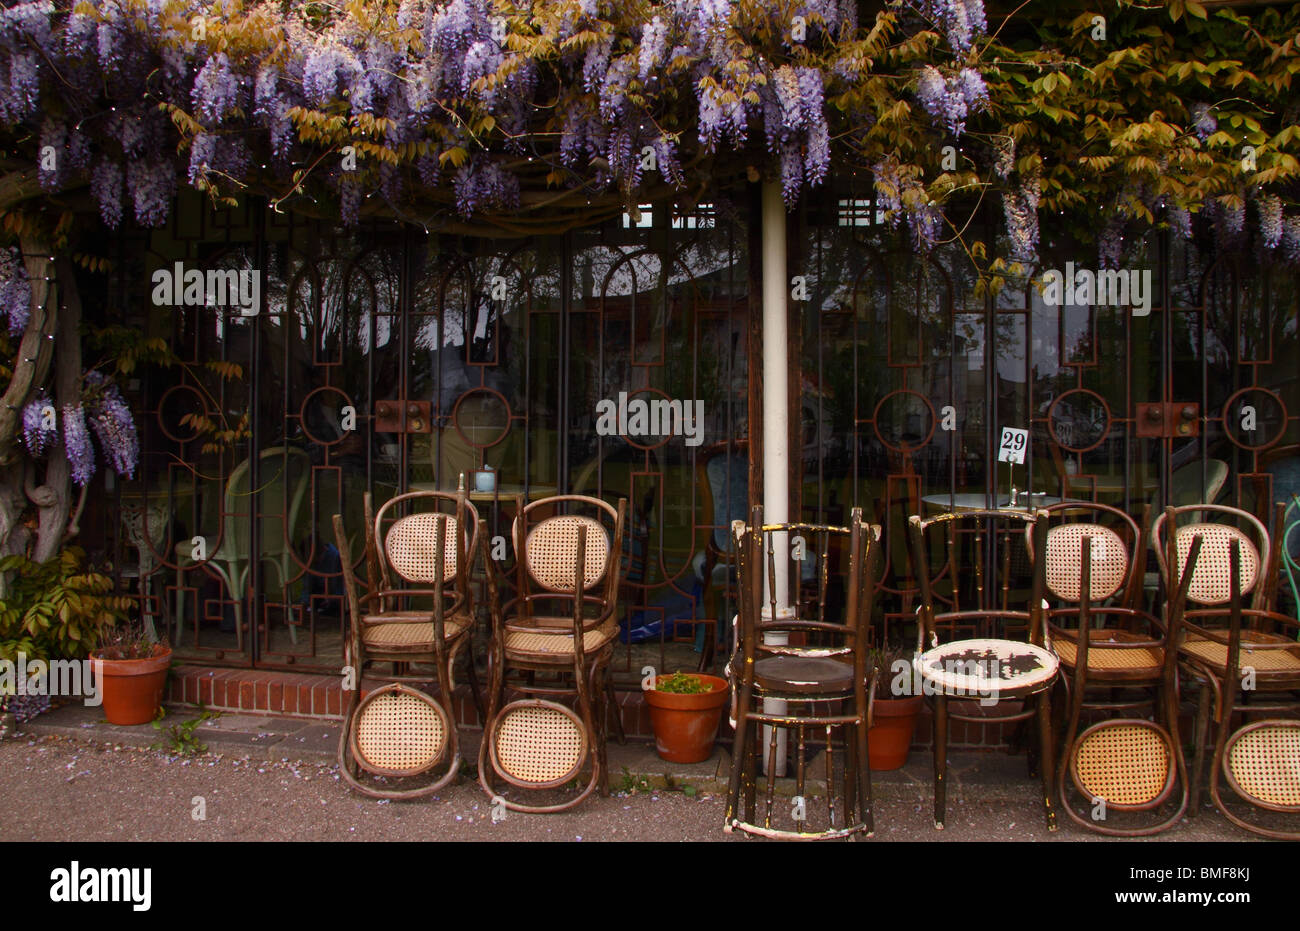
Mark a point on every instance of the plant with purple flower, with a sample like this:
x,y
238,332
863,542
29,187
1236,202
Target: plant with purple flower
x,y
40,425
152,184
1204,123
1270,220
944,99
15,291
76,444
113,424
1020,208
106,187
1291,240
654,36
217,90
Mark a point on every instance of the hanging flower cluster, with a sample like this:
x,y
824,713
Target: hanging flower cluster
x,y
15,291
103,404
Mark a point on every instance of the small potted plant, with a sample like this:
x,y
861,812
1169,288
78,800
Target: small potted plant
x,y
132,671
894,711
685,709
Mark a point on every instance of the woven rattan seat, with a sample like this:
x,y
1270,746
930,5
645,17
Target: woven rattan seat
x,y
408,630
1263,763
1215,654
539,744
1102,658
1125,763
803,674
400,732
558,644
984,667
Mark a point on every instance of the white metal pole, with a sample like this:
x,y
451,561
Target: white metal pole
x,y
776,426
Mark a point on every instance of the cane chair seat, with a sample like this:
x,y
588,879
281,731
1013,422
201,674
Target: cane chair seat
x,y
400,732
1262,763
555,644
1274,661
1111,659
408,631
1126,763
551,546
538,743
988,667
804,675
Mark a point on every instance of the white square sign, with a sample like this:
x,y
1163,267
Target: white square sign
x,y
1012,446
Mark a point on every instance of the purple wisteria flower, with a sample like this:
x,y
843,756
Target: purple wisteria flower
x,y
40,425
1270,221
106,187
76,444
1180,221
217,90
113,424
1291,240
945,99
1204,123
15,291
1021,210
963,21
889,190
654,35
152,185
482,186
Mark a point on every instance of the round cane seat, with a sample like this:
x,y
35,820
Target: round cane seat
x,y
557,644
987,667
1262,763
1126,763
399,732
401,632
1275,661
1110,565
803,674
1111,659
538,743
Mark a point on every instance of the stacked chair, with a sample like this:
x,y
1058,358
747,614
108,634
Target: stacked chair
x,y
555,637
1121,767
972,678
1242,655
803,672
398,741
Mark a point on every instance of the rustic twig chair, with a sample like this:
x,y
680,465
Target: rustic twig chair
x,y
1246,655
988,668
820,685
397,731
563,622
1129,764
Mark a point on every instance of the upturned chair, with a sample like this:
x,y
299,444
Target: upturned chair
x,y
1236,650
817,686
1130,764
398,732
561,622
987,668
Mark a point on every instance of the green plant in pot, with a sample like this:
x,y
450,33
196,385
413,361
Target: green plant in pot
x,y
131,669
685,709
894,708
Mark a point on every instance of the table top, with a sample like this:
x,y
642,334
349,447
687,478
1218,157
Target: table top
x,y
978,501
504,491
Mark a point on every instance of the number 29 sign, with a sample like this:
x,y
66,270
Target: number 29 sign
x,y
1011,448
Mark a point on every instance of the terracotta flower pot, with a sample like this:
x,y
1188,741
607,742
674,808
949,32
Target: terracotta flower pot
x,y
685,725
893,720
132,689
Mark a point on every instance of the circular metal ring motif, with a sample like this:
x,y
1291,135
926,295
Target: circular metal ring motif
x,y
302,414
1071,445
473,405
667,436
1232,417
199,406
903,446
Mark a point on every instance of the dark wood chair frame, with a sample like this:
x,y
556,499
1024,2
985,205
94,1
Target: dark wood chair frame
x,y
387,589
930,619
1224,685
588,610
847,641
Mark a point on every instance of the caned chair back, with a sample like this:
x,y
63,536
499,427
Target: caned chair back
x,y
1114,537
412,542
552,547
549,534
1211,574
406,547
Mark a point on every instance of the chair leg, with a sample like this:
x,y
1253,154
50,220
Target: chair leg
x,y
599,724
472,675
864,775
1045,749
612,697
1201,735
940,759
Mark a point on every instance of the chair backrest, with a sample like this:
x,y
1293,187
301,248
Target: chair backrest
x,y
725,487
546,538
813,612
407,547
283,472
1211,575
1115,538
1006,527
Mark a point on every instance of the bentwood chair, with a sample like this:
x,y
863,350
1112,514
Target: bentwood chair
x,y
1245,654
802,673
562,623
984,677
1113,659
417,610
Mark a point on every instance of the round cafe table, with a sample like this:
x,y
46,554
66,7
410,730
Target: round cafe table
x,y
977,501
